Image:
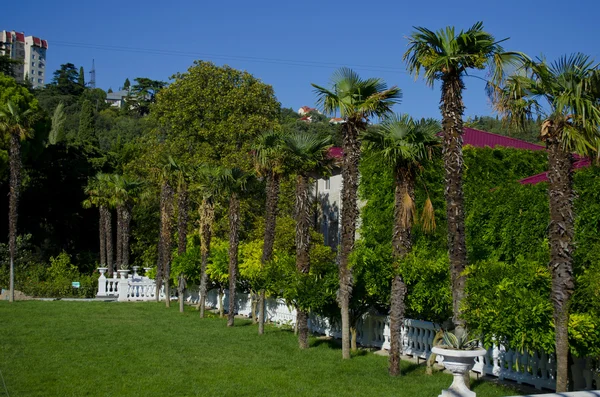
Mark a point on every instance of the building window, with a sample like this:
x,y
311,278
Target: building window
x,y
39,80
39,73
327,184
32,56
33,64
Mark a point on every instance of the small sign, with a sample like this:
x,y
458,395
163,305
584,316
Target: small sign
x,y
75,284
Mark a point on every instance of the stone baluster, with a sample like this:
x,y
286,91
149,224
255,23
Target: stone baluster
x,y
102,282
123,285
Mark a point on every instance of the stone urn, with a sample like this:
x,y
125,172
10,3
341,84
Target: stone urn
x,y
459,363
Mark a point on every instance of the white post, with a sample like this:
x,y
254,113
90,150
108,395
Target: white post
x,y
102,282
123,285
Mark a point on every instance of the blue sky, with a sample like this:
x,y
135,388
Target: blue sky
x,y
292,44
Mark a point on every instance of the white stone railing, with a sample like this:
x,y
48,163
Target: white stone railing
x,y
532,368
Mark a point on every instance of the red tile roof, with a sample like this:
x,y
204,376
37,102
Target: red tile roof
x,y
45,44
543,177
37,41
20,37
479,138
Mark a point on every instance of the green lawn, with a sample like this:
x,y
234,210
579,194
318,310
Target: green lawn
x,y
143,349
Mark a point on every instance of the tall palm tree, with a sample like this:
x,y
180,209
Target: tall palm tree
x,y
181,177
269,158
97,190
566,95
234,184
307,155
404,144
448,56
208,181
124,190
163,269
15,123
358,101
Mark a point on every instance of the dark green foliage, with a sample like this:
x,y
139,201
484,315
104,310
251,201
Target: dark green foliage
x,y
81,77
87,124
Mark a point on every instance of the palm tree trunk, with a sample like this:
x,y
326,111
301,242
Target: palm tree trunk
x,y
269,240
109,242
561,232
303,223
452,110
102,237
166,215
349,215
119,260
401,245
207,215
182,218
234,224
13,207
126,235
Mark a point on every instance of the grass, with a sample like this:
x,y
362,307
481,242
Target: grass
x,y
143,349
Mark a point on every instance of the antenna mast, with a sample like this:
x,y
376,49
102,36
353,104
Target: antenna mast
x,y
93,76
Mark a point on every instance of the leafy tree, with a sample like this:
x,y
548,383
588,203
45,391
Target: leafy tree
x,y
126,84
404,144
269,158
308,153
86,133
358,101
7,65
570,91
219,112
143,94
66,80
448,56
58,121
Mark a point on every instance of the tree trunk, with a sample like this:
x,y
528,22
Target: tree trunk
x,y
181,290
207,215
269,239
452,110
126,235
401,246
302,324
13,208
561,232
102,237
182,218
234,224
254,301
303,223
349,216
166,215
109,240
353,345
119,259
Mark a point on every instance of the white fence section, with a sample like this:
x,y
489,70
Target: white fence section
x,y
533,368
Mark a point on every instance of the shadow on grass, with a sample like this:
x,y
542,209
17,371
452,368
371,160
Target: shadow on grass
x,y
411,367
330,343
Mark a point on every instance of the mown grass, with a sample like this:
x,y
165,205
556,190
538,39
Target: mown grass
x,y
143,349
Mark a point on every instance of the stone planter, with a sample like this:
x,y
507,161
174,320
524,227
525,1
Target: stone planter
x,y
459,362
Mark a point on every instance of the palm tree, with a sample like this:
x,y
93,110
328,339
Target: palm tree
x,y
15,123
269,158
208,181
448,56
308,155
163,268
98,196
566,95
124,190
404,144
358,101
235,185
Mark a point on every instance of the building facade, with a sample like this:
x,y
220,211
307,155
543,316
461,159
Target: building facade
x,y
30,51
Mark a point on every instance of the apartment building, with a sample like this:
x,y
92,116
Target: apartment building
x,y
30,50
